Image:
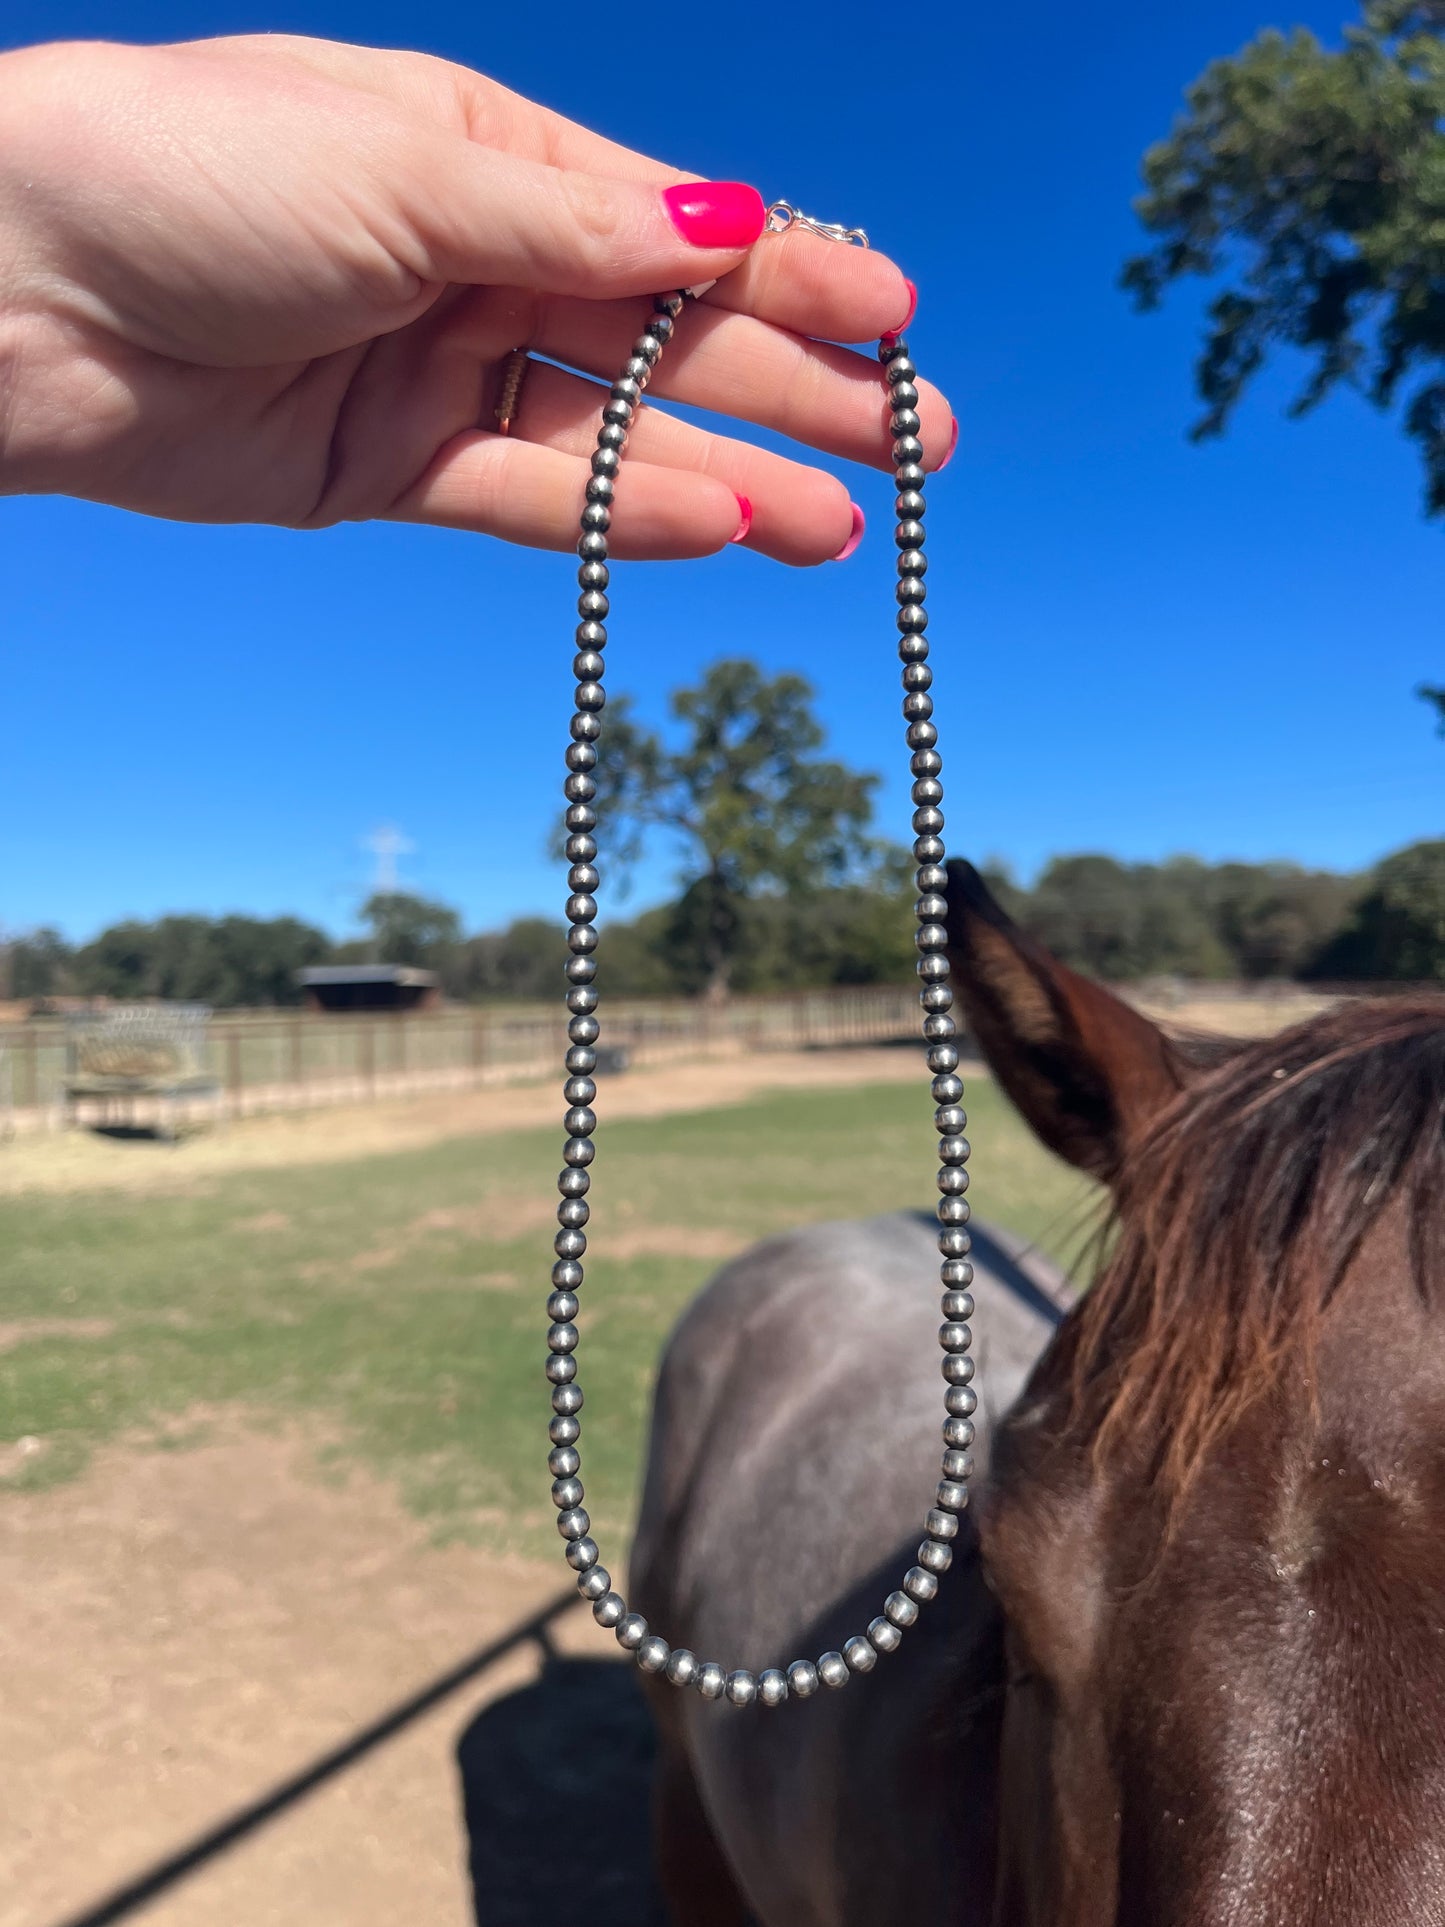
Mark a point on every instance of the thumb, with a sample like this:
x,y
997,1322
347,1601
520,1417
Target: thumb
x,y
508,221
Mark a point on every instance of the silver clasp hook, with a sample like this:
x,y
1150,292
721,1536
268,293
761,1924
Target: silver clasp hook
x,y
782,215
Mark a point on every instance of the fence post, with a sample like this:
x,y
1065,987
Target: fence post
x,y
233,1069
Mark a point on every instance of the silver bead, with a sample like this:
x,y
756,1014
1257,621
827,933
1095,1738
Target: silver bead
x,y
802,1679
909,504
605,464
952,1495
591,696
833,1669
580,816
934,1556
631,1631
564,1430
582,1555
909,474
937,996
958,1432
920,1584
652,1654
909,534
567,1400
561,1368
563,1461
912,562
582,875
563,1306
928,849
960,1401
931,908
943,1057
932,966
582,1000
742,1688
574,1183
574,1524
582,757
955,1242
912,618
581,1057
585,1030
579,1150
562,1338
931,936
596,516
940,1524
958,1464
573,1213
711,1680
957,1370
939,1027
955,1336
582,938
567,1494
772,1687
682,1667
579,1090
958,1305
580,1121
900,1608
953,1211
883,1634
861,1656
608,1610
595,1582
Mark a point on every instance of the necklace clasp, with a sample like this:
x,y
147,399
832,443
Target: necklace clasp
x,y
782,215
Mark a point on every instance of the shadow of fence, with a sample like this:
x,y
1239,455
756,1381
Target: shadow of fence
x,y
162,1875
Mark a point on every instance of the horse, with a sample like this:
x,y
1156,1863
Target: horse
x,y
1188,1665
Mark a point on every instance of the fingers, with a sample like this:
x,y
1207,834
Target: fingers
x,y
497,485
799,515
824,397
485,216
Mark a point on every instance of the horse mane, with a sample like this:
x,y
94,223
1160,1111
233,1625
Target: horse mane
x,y
1238,1215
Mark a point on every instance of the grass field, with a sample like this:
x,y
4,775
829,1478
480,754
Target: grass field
x,y
394,1302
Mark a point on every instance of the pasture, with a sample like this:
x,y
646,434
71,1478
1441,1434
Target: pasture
x,y
271,1404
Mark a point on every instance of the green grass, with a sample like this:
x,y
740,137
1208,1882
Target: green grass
x,y
397,1300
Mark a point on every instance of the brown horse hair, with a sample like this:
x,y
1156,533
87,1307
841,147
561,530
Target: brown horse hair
x,y
1237,1216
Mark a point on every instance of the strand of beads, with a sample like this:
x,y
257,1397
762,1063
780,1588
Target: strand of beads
x,y
860,1654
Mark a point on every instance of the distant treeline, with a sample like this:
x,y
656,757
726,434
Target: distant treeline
x,y
1119,921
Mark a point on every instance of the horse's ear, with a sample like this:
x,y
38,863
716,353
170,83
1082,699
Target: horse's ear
x,y
1088,1073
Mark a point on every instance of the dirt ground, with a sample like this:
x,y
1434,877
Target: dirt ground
x,y
231,1615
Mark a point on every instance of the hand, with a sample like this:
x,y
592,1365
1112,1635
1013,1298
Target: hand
x,y
275,280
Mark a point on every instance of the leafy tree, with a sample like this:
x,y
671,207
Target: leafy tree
x,y
1428,693
225,961
1398,928
753,805
38,964
1314,180
407,929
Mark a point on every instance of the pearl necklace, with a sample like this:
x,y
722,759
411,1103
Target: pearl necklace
x,y
883,1634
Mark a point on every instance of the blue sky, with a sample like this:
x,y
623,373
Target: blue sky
x,y
1142,646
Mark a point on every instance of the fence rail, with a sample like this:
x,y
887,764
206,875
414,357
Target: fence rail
x,y
281,1060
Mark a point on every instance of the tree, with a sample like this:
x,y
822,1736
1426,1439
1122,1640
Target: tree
x,y
1398,929
407,929
225,961
752,804
1428,693
1315,181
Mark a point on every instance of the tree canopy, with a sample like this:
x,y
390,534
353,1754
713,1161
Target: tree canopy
x,y
1313,182
753,805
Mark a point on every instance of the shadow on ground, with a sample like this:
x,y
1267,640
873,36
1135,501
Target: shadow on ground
x,y
555,1790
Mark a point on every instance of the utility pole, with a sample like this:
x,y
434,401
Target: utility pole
x,y
386,843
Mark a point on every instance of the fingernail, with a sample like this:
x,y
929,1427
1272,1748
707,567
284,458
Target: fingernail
x,y
952,445
912,309
747,514
715,214
855,538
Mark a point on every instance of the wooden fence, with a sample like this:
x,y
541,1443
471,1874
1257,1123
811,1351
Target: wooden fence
x,y
280,1060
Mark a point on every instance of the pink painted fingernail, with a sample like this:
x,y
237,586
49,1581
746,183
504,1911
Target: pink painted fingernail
x,y
715,214
912,309
855,537
952,445
747,514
